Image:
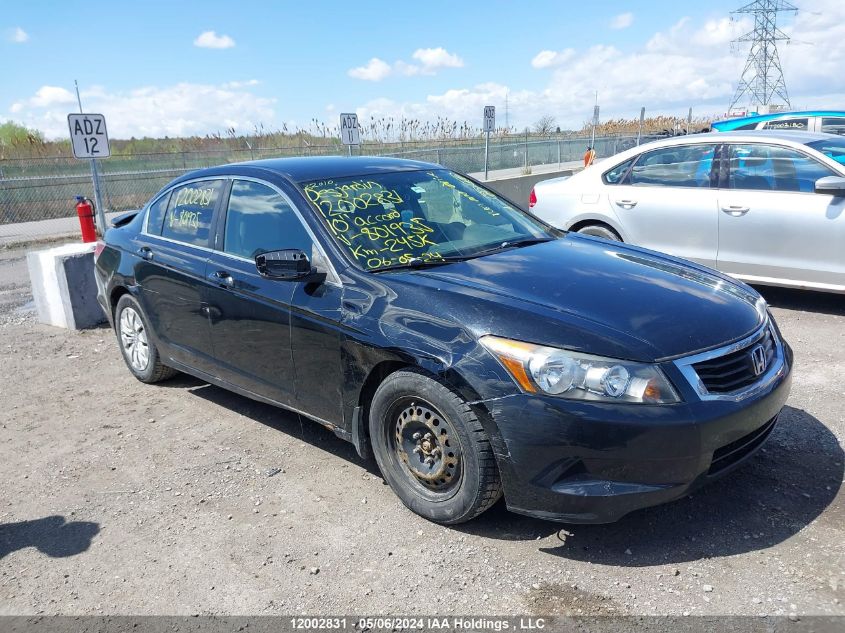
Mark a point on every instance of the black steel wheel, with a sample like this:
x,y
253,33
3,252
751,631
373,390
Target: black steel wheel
x,y
427,444
432,449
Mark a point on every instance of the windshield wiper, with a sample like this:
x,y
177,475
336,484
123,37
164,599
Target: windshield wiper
x,y
526,241
418,262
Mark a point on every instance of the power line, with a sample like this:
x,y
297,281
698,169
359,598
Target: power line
x,y
762,79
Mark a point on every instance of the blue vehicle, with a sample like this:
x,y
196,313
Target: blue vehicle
x,y
830,121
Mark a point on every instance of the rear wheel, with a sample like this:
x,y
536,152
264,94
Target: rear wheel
x,y
139,351
600,230
431,449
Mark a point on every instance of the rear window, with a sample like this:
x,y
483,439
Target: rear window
x,y
788,124
617,174
155,216
191,209
674,166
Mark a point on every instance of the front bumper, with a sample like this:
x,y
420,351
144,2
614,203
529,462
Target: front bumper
x,y
588,462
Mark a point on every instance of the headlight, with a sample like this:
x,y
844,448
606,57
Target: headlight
x,y
559,372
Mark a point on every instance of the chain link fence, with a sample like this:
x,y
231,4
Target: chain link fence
x,y
37,195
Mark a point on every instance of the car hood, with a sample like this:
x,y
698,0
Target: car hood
x,y
596,296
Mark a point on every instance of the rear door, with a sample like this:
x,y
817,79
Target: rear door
x,y
772,226
668,202
173,251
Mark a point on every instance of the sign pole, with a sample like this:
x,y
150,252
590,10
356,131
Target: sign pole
x,y
640,130
489,126
486,154
95,178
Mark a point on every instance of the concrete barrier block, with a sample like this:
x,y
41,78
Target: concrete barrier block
x,y
64,287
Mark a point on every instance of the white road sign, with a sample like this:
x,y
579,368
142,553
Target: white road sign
x,y
489,118
349,132
88,135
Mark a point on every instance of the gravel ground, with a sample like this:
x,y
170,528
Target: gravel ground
x,y
122,498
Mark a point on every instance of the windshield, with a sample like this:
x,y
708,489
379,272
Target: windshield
x,y
833,148
417,217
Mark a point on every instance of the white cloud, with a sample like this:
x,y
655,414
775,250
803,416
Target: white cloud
x,y
210,39
375,70
430,61
547,59
434,58
687,65
178,110
51,95
17,35
622,21
230,85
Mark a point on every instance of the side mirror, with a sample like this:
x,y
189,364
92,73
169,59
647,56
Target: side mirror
x,y
831,185
288,265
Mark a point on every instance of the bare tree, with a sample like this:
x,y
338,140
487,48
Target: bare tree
x,y
545,125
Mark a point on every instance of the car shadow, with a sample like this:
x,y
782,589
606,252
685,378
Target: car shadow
x,y
293,424
790,483
803,300
52,536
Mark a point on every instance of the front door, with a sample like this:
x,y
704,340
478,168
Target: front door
x,y
773,226
668,202
250,314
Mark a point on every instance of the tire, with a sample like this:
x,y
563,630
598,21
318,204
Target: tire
x,y
414,418
600,230
139,352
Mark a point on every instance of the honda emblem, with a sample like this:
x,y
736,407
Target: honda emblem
x,y
758,359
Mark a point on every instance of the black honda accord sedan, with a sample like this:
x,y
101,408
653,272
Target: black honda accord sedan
x,y
473,349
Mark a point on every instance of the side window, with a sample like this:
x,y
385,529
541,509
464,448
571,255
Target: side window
x,y
676,166
773,168
615,175
155,216
833,125
190,212
260,220
788,124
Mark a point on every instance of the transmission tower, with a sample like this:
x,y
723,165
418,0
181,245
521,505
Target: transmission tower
x,y
762,80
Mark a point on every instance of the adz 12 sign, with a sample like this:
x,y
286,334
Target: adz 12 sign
x,y
88,135
350,134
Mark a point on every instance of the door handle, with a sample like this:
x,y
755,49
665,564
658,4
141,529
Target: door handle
x,y
146,253
222,278
735,210
626,204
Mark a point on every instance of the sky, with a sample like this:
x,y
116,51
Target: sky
x,y
156,68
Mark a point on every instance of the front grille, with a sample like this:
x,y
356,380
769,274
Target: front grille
x,y
736,370
730,454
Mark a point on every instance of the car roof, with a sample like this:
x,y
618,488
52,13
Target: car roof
x,y
756,118
304,169
746,136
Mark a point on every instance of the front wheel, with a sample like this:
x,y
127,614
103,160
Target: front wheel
x,y
139,350
432,450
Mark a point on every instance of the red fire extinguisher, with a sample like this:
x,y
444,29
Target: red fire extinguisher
x,y
85,211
